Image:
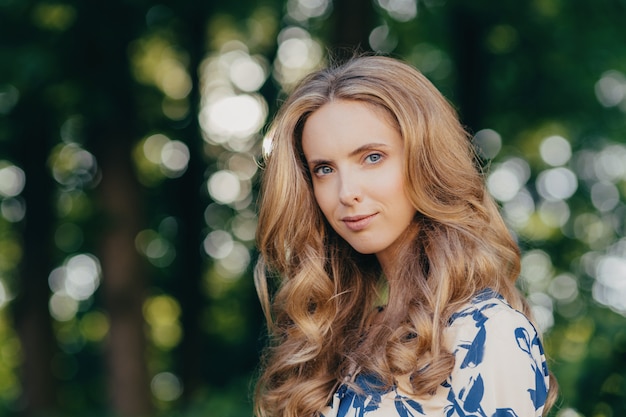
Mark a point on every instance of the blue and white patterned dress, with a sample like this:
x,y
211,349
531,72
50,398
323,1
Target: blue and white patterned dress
x,y
500,371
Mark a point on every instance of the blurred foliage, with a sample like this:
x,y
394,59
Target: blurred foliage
x,y
180,91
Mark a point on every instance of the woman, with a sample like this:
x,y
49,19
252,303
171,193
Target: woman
x,y
396,272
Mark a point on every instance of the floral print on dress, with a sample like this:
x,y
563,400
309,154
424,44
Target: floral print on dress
x,y
500,371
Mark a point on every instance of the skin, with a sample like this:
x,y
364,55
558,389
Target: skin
x,y
355,157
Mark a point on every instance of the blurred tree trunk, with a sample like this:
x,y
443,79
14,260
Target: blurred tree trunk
x,y
468,25
110,27
28,143
124,281
353,22
30,309
188,208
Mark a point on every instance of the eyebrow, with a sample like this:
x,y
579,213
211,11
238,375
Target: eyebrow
x,y
359,150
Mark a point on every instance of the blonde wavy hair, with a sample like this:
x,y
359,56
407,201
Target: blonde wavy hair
x,y
323,291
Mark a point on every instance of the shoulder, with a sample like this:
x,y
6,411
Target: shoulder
x,y
490,324
488,308
499,359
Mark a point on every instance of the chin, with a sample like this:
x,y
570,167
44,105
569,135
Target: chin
x,y
364,250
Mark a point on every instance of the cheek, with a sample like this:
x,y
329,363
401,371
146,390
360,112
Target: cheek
x,y
395,192
323,201
391,184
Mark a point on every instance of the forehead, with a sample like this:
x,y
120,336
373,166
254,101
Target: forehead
x,y
342,124
366,110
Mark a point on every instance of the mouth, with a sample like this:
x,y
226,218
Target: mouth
x,y
357,223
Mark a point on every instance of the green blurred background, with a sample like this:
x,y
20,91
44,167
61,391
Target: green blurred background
x,y
130,132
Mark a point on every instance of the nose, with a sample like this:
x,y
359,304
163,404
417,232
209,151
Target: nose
x,y
349,190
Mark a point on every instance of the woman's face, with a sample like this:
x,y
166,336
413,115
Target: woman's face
x,y
355,157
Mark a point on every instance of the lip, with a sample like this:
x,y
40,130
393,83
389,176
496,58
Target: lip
x,y
359,222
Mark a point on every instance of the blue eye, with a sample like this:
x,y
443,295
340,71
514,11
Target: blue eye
x,y
323,170
373,158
